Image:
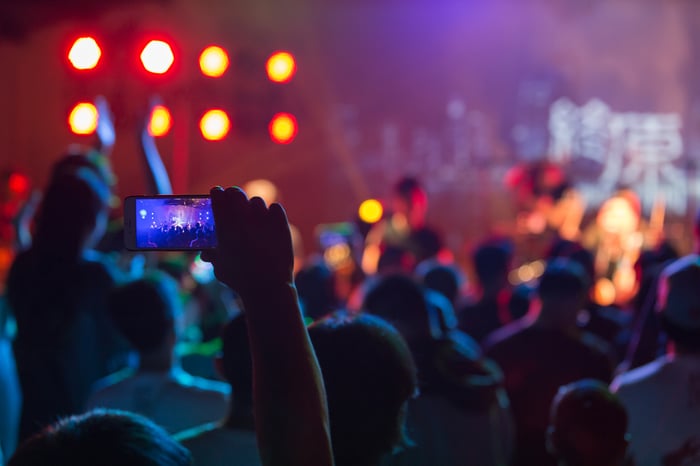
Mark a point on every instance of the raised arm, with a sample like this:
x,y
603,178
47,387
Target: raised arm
x,y
156,173
254,257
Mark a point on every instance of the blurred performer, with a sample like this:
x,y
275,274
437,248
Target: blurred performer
x,y
404,229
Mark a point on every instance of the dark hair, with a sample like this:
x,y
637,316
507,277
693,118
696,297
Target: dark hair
x,y
237,360
315,285
588,424
369,376
104,437
562,278
406,186
144,310
444,279
492,259
69,210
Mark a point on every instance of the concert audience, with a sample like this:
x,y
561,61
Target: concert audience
x,y
147,312
588,426
543,351
216,443
10,393
662,397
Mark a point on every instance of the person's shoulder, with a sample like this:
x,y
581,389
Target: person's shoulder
x,y
195,434
104,388
205,387
632,380
507,336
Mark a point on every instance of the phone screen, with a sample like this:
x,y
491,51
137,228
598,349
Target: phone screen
x,y
173,223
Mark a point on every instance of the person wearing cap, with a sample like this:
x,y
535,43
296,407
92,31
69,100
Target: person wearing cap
x,y
663,397
588,426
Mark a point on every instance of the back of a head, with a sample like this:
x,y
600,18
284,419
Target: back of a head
x,y
144,310
444,279
588,425
406,186
104,437
400,300
492,260
315,285
563,279
237,360
71,208
679,303
369,376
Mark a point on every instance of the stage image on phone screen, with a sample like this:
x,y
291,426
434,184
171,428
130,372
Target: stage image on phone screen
x,y
175,223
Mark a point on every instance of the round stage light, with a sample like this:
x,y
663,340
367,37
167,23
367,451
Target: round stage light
x,y
83,118
281,67
84,54
370,211
283,128
213,61
157,57
161,121
215,125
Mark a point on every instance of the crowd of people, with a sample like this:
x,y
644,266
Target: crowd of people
x,y
124,358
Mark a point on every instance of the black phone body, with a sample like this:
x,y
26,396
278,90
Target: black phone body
x,y
180,222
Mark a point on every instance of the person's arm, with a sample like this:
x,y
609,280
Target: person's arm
x,y
254,257
156,173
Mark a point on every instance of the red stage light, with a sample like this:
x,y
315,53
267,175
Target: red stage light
x,y
283,128
157,57
281,67
213,61
85,53
215,125
161,121
18,183
83,118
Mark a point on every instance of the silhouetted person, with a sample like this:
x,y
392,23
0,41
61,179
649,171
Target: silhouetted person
x,y
662,397
369,377
58,294
588,426
216,443
148,314
544,350
109,438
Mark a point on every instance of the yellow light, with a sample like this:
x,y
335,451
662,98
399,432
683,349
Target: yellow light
x,y
157,57
83,118
281,67
370,211
84,54
215,125
604,292
213,61
161,121
283,128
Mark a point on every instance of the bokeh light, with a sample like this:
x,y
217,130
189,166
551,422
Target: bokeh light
x,y
83,118
370,211
283,128
215,125
281,67
161,121
85,53
157,57
213,61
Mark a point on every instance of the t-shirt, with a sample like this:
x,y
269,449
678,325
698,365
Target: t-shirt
x,y
536,361
663,404
175,400
214,445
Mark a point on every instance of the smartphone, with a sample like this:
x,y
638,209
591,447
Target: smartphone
x,y
169,223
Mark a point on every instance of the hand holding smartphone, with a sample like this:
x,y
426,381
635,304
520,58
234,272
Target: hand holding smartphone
x,y
169,223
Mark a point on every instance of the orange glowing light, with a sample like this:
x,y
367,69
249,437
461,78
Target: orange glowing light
x,y
215,125
157,57
83,118
161,121
281,67
283,128
370,211
84,54
213,61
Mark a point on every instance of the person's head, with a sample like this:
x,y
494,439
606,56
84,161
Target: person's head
x,y
411,201
73,214
235,363
400,300
562,290
316,287
104,437
492,261
588,426
445,279
145,312
369,376
678,302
